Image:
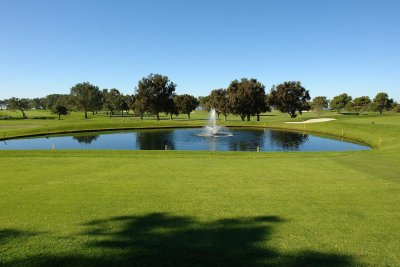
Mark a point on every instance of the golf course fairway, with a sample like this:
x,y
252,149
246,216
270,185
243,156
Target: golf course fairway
x,y
201,208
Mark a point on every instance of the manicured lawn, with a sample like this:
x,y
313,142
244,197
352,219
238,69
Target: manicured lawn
x,y
92,208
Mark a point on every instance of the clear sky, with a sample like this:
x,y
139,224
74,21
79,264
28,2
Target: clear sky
x,y
331,46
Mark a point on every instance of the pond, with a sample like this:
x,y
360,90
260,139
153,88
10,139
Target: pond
x,y
239,139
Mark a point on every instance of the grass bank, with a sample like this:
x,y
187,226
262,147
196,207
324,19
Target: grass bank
x,y
102,208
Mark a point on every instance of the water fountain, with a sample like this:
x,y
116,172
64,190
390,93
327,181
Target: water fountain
x,y
212,129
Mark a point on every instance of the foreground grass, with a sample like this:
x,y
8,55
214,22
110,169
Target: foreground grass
x,y
91,208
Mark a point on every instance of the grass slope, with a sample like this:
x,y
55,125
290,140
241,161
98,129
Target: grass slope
x,y
179,208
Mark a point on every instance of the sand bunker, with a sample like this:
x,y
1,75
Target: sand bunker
x,y
312,120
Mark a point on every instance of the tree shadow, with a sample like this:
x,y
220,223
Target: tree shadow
x,y
7,235
160,239
29,118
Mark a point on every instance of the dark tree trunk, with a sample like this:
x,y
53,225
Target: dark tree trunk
x,y
225,117
170,116
93,112
59,116
242,117
258,116
157,116
85,114
248,117
188,115
23,114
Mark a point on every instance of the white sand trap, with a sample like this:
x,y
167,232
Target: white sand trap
x,y
312,120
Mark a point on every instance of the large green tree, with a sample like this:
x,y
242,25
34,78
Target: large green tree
x,y
339,102
186,104
361,103
290,97
247,98
60,110
155,92
84,95
218,100
319,103
22,104
382,102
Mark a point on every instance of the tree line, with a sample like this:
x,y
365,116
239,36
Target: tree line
x,y
344,102
155,94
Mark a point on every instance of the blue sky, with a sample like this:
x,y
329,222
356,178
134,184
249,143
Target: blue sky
x,y
330,46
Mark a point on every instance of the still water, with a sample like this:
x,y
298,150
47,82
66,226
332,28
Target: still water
x,y
187,139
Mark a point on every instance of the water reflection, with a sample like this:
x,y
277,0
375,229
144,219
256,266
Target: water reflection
x,y
85,139
247,141
155,140
287,140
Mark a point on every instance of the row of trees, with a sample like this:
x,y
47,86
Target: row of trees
x,y
155,94
247,98
343,101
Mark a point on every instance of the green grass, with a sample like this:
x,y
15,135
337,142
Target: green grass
x,y
179,208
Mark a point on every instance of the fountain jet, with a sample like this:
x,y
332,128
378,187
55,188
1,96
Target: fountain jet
x,y
212,129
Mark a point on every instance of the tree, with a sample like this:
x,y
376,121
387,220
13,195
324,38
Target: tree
x,y
123,104
339,102
21,104
396,108
186,104
139,107
155,92
111,100
361,104
204,103
96,101
319,103
84,96
53,99
290,97
130,100
247,98
382,102
37,103
218,100
60,110
171,108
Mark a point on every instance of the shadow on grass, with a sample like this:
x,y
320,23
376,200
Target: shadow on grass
x,y
29,118
349,113
7,235
160,239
